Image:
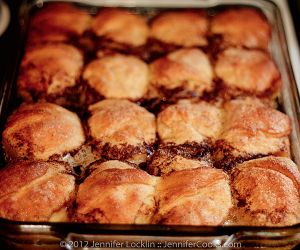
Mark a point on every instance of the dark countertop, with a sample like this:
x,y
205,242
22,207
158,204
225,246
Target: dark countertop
x,y
9,39
295,10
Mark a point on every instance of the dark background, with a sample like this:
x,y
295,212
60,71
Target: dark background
x,y
295,10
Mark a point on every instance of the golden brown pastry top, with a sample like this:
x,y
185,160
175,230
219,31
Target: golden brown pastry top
x,y
116,193
166,163
189,69
58,22
98,167
121,26
189,122
187,183
194,197
184,28
34,191
266,192
248,70
252,115
255,128
242,27
49,69
120,122
110,169
41,130
118,76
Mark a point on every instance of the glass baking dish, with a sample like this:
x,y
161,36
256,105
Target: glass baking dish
x,y
25,235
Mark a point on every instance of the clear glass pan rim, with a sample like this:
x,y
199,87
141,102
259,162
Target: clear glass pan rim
x,y
7,226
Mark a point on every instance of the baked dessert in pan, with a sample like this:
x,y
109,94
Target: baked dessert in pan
x,y
223,133
266,192
187,122
181,28
117,76
198,196
252,128
185,70
119,129
242,27
247,71
112,185
187,130
58,22
36,191
175,121
42,131
121,26
179,196
48,71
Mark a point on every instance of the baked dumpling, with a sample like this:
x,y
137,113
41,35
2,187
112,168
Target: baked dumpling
x,y
187,122
184,70
122,130
250,72
58,22
116,192
266,192
36,191
252,128
187,129
182,28
49,70
41,131
198,196
118,76
243,27
121,26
